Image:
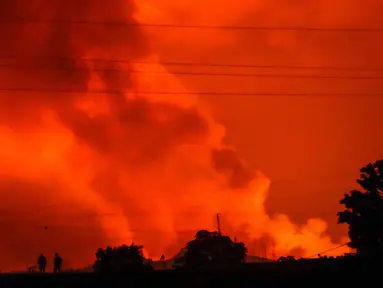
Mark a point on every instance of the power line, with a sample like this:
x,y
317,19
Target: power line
x,y
293,67
328,250
196,64
16,90
257,75
183,26
185,73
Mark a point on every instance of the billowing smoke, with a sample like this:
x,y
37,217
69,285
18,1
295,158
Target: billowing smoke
x,y
82,169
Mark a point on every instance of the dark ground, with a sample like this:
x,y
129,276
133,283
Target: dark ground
x,y
298,274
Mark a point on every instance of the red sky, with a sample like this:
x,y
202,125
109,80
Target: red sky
x,y
102,169
310,147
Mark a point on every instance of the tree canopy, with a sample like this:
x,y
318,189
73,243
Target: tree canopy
x,y
364,211
211,249
119,259
284,259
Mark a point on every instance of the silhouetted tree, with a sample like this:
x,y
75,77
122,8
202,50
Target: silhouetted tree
x,y
210,249
119,259
364,212
284,259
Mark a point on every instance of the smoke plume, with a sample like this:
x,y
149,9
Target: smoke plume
x,y
81,168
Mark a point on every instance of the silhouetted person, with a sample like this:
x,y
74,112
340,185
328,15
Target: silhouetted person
x,y
42,263
57,262
163,259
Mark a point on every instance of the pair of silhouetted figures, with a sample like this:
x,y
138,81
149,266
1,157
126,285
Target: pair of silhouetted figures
x,y
42,263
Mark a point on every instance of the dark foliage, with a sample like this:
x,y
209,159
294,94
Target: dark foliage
x,y
364,212
284,259
119,259
210,249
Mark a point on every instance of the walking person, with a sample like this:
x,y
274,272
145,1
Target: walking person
x,y
42,263
57,262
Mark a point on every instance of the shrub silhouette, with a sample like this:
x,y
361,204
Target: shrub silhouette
x,y
364,212
119,259
210,249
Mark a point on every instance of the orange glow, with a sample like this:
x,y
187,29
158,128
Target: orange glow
x,y
115,168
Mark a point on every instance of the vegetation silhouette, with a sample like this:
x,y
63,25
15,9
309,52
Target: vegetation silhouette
x,y
211,249
364,212
119,259
284,259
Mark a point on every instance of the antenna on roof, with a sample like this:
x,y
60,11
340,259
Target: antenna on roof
x,y
218,224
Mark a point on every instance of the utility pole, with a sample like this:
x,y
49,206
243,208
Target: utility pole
x,y
218,225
